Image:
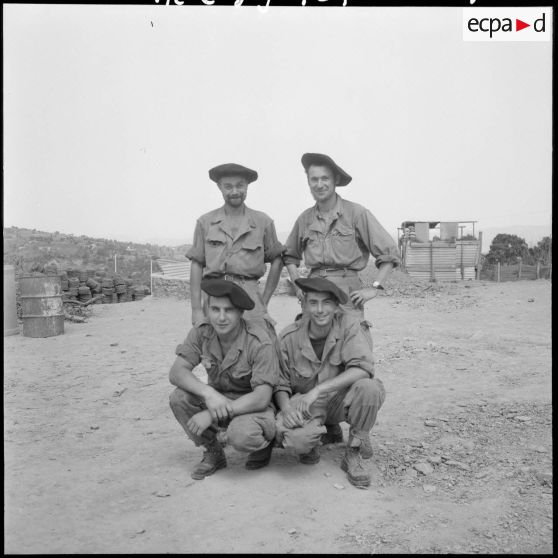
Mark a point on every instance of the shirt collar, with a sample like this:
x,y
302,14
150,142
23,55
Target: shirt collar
x,y
332,337
232,355
337,208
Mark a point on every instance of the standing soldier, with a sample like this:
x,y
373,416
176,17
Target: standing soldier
x,y
234,243
336,238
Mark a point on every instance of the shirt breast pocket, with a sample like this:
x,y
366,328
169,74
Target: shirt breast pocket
x,y
344,245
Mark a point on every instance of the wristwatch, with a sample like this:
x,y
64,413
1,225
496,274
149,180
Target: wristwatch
x,y
376,285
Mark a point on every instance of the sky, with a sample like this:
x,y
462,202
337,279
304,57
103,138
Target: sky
x,y
113,116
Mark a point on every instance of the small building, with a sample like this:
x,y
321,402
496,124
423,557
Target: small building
x,y
439,251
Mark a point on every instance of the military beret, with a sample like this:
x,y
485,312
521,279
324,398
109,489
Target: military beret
x,y
321,285
321,159
232,169
220,287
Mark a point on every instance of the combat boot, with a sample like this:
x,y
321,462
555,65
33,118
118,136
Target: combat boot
x,y
310,458
260,458
334,434
213,460
352,465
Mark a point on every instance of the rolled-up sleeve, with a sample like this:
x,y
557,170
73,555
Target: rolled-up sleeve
x,y
293,246
284,382
356,350
191,348
265,368
197,251
272,247
378,241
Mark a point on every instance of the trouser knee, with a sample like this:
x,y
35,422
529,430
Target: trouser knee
x,y
251,432
363,401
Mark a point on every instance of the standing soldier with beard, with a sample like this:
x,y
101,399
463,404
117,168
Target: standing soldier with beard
x,y
234,243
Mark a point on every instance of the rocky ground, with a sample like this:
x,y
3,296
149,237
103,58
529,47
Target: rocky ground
x,y
95,462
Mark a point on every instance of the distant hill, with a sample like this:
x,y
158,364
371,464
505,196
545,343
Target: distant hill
x,y
26,248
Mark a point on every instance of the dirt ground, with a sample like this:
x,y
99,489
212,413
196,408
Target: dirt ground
x,y
96,463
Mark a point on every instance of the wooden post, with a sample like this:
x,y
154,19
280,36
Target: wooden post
x,y
539,269
478,258
151,274
498,272
432,276
519,271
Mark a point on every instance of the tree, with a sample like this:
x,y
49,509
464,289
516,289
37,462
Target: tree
x,y
542,252
507,249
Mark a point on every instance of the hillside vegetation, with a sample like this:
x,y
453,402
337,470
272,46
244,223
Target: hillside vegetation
x,y
30,249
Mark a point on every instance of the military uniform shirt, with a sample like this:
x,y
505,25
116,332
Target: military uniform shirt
x,y
251,361
347,242
219,251
346,346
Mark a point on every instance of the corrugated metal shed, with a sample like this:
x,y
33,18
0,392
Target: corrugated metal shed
x,y
431,260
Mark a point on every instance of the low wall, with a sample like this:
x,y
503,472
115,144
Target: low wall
x,y
171,288
180,288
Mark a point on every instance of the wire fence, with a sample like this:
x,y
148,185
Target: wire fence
x,y
516,272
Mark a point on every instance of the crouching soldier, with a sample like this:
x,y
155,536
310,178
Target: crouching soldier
x,y
242,369
327,377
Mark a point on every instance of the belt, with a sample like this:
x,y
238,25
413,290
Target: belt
x,y
234,277
325,271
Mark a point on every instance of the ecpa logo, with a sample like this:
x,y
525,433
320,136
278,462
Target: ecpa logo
x,y
507,24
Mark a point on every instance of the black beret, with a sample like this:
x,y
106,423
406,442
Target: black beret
x,y
220,287
321,159
321,285
232,169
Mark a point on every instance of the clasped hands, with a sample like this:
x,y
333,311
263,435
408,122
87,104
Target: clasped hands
x,y
219,408
298,409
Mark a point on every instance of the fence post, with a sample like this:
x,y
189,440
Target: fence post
x,y
151,274
498,272
539,269
519,271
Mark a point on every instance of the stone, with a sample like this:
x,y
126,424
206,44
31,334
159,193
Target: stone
x,y
338,486
431,423
429,488
523,418
435,459
424,468
291,531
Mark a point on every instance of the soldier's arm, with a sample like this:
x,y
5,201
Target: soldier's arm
x,y
197,256
181,376
196,271
272,279
253,402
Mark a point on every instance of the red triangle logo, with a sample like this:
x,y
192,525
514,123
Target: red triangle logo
x,y
519,25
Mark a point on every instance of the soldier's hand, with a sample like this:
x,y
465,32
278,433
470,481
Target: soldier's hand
x,y
200,422
304,402
360,296
299,294
197,316
218,406
292,418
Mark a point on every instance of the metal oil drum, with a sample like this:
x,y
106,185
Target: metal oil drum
x,y
10,309
41,305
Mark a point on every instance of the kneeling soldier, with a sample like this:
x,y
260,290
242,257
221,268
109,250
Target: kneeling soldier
x,y
242,369
328,377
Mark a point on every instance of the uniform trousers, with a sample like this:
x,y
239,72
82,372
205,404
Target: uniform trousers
x,y
249,432
357,404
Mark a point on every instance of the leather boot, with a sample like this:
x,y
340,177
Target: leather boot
x,y
213,460
310,458
260,458
352,465
334,434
